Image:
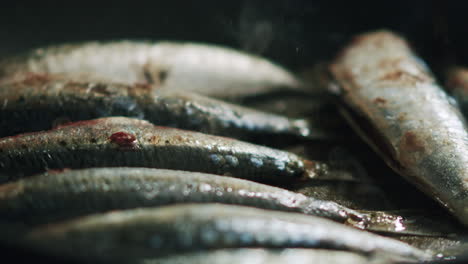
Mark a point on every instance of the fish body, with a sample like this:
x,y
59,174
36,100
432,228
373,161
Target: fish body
x,y
147,233
36,101
121,141
204,69
268,256
72,193
393,101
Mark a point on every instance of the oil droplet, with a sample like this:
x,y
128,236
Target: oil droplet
x,y
257,162
217,159
233,161
205,187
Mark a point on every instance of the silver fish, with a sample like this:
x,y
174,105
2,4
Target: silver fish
x,y
35,101
405,116
58,196
146,233
121,141
205,69
271,256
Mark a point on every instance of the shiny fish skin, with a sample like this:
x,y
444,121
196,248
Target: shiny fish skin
x,y
204,69
58,196
265,256
147,233
121,141
35,101
410,120
457,84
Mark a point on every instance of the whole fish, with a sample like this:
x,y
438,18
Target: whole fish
x,y
146,233
395,104
37,101
270,256
58,196
457,84
205,69
121,141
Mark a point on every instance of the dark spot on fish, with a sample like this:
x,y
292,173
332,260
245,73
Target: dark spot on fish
x,y
63,143
162,76
153,139
380,101
93,140
167,142
147,74
101,89
411,142
23,146
123,139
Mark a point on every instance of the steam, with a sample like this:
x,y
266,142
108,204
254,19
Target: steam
x,y
256,32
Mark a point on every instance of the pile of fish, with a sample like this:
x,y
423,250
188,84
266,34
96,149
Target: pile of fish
x,y
136,152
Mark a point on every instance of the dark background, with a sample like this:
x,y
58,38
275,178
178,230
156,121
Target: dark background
x,y
294,33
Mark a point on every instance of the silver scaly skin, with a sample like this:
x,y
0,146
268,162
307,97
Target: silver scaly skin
x,y
147,233
400,110
205,69
72,193
35,101
273,256
121,141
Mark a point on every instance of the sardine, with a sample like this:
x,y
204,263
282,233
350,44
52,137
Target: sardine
x,y
392,100
271,256
457,85
145,233
205,69
59,196
121,141
36,101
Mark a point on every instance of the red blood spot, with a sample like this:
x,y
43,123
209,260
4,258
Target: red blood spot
x,y
123,139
